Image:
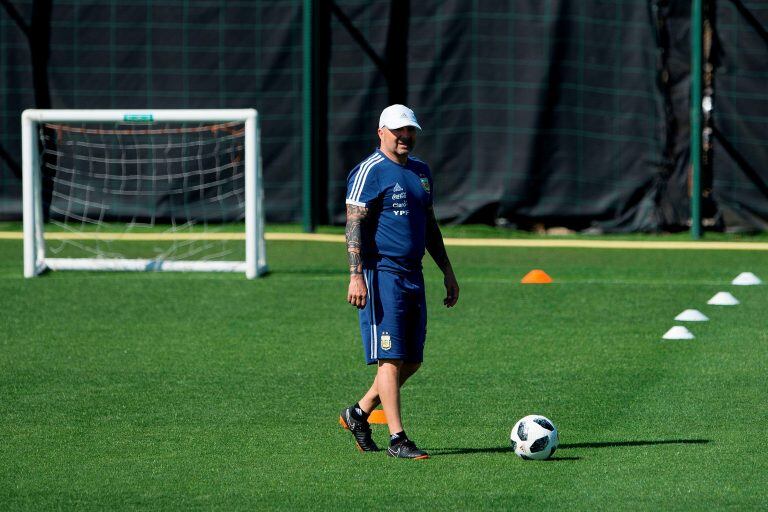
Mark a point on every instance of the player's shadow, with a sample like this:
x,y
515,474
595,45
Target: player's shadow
x,y
497,449
567,446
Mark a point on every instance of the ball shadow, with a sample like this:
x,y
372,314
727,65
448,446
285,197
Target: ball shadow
x,y
566,446
617,444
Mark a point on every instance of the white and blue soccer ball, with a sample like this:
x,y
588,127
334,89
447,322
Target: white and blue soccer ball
x,y
534,438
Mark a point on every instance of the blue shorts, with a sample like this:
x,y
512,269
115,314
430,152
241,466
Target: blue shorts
x,y
393,322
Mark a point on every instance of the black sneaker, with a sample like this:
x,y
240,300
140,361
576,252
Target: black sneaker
x,y
406,450
360,429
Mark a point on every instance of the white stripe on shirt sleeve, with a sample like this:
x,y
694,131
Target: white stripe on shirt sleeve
x,y
355,196
360,174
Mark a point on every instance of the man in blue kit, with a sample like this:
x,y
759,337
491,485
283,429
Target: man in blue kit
x,y
390,223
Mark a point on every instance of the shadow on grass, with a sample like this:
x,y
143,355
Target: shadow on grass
x,y
566,446
616,444
497,449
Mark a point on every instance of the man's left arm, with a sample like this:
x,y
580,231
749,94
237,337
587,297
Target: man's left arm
x,y
436,249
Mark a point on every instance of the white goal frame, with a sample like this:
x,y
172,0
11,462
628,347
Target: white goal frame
x,y
35,261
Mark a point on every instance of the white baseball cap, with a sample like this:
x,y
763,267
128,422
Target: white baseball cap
x,y
397,116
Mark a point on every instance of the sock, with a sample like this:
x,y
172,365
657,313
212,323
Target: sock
x,y
358,413
397,438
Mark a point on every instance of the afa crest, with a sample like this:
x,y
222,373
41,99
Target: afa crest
x,y
424,182
386,341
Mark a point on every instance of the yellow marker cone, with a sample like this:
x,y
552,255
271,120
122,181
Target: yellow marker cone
x,y
536,276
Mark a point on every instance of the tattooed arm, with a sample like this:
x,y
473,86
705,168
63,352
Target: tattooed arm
x,y
357,293
436,249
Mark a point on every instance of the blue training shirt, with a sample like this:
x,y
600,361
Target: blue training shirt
x,y
397,197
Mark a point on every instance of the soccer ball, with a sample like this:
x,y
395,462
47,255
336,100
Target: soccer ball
x,y
534,437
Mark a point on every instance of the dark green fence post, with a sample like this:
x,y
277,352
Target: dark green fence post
x,y
307,206
696,74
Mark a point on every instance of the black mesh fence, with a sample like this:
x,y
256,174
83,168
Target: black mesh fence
x,y
534,112
740,113
159,54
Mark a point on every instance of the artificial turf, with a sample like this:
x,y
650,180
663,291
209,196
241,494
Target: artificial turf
x,y
204,391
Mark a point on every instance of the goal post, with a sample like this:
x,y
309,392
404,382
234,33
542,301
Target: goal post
x,y
101,180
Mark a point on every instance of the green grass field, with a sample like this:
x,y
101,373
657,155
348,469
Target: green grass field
x,y
202,391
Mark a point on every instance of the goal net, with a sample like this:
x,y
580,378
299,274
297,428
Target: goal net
x,y
167,190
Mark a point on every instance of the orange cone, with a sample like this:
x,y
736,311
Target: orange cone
x,y
377,416
536,276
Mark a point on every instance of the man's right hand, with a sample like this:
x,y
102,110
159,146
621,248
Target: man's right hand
x,y
358,292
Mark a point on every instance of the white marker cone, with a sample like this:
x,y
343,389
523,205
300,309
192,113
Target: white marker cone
x,y
692,315
678,332
746,279
723,299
